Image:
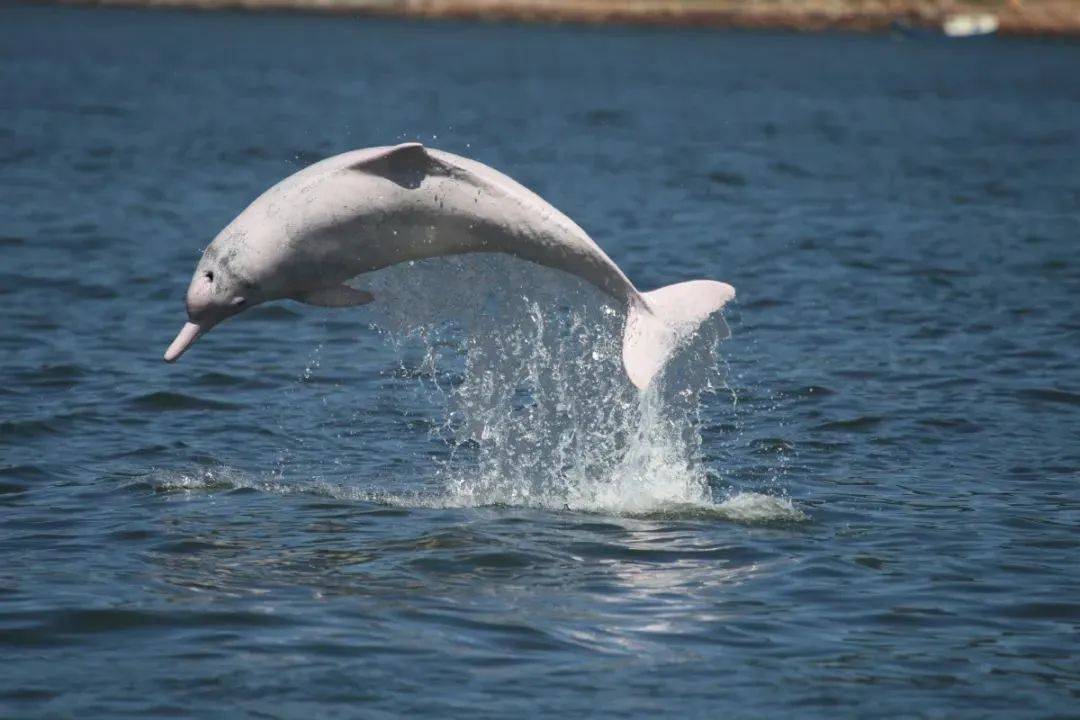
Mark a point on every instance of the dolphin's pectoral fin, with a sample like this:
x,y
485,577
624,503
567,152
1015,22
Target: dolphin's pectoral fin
x,y
336,296
406,164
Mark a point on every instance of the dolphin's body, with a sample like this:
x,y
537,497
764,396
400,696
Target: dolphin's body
x,y
369,209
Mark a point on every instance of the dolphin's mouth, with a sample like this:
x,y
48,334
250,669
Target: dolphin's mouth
x,y
188,335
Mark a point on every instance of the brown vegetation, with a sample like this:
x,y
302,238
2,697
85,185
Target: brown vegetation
x,y
1027,17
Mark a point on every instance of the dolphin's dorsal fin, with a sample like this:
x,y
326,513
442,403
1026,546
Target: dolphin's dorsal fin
x,y
406,164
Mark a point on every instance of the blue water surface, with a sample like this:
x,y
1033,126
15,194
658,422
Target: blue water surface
x,y
891,451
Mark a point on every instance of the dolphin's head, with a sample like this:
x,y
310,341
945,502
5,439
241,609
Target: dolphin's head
x,y
217,291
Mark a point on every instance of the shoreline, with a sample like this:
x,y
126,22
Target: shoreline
x,y
1046,18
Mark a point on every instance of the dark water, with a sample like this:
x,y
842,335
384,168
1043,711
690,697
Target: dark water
x,y
883,516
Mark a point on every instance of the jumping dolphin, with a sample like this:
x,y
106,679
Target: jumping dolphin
x,y
369,209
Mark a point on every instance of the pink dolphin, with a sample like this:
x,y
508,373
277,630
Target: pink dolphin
x,y
369,209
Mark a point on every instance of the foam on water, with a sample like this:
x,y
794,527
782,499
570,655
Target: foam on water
x,y
746,507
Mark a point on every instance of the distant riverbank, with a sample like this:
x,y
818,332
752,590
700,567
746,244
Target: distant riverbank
x,y
1013,17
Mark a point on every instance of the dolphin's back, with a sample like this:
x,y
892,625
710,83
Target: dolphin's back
x,y
453,205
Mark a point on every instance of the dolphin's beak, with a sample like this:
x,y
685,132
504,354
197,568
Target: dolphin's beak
x,y
188,334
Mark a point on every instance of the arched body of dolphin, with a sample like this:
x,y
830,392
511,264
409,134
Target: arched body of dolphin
x,y
369,209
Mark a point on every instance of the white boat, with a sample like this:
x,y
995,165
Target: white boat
x,y
960,26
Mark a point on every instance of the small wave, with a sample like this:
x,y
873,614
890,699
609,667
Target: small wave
x,y
859,424
754,507
12,431
166,401
1050,395
219,479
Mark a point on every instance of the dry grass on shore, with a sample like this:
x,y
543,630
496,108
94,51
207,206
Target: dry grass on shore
x,y
1020,17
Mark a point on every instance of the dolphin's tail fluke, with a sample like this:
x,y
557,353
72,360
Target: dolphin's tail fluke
x,y
667,317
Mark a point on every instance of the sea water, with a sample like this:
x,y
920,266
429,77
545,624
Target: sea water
x,y
449,503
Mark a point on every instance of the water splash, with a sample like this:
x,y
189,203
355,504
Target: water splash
x,y
538,411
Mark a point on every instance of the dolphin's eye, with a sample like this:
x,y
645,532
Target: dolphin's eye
x,y
210,275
